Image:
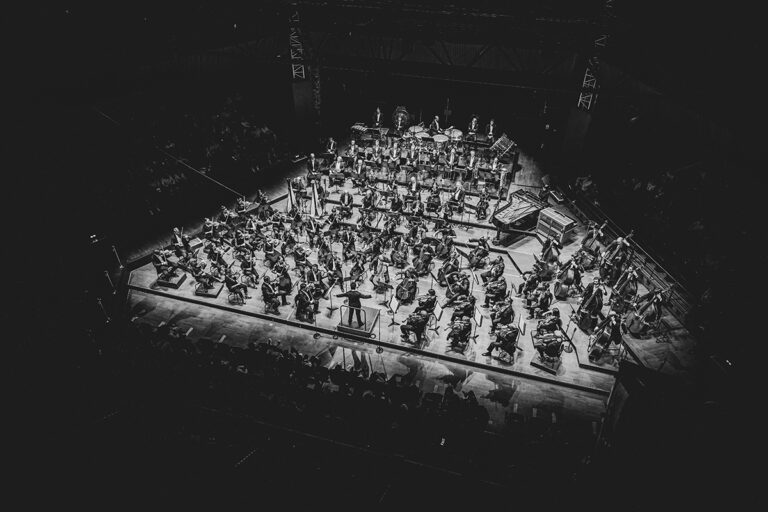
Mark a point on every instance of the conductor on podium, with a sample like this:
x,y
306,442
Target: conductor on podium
x,y
353,298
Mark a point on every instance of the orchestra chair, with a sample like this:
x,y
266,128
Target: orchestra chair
x,y
235,298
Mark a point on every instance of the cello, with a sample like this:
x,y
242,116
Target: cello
x,y
640,319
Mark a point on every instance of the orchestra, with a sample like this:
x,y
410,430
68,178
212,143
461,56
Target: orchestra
x,y
250,246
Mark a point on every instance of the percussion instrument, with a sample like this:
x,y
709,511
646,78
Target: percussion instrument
x,y
422,135
413,130
440,138
454,134
358,127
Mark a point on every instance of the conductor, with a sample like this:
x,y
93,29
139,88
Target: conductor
x,y
353,297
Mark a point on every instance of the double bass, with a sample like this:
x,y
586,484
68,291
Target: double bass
x,y
641,318
590,307
624,289
567,277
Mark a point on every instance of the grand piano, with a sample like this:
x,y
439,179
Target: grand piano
x,y
518,215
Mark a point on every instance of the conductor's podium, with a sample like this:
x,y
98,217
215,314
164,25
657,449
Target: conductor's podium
x,y
172,282
369,316
213,292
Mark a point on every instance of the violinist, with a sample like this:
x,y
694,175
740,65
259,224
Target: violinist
x,y
506,340
458,338
357,270
457,290
502,313
550,323
197,269
465,306
495,291
539,301
481,209
496,270
314,276
416,323
233,286
427,302
248,268
163,266
608,331
269,293
348,243
271,254
397,203
368,199
433,201
335,273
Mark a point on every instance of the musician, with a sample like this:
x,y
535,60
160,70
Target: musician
x,y
399,255
165,269
496,270
368,199
608,331
269,293
457,290
427,302
503,313
433,201
226,216
232,284
394,154
450,267
594,234
550,250
406,289
346,200
474,125
338,165
271,255
539,301
331,147
197,269
656,296
178,243
479,252
481,209
549,346
413,188
306,303
353,299
352,150
458,338
591,304
313,168
465,306
416,323
626,286
412,156
490,130
248,267
359,171
335,273
378,118
434,126
397,203
550,323
457,197
506,340
571,264
496,290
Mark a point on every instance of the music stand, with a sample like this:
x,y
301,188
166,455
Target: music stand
x,y
392,310
438,312
478,318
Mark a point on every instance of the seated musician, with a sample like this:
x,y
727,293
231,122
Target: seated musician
x,y
458,338
177,242
376,152
452,159
248,267
539,302
270,294
503,313
284,283
450,267
357,270
413,188
481,209
210,229
313,275
368,199
549,346
347,238
243,248
352,150
165,269
271,254
331,146
433,201
299,256
427,302
495,291
234,286
335,273
306,303
394,155
465,306
457,197
337,169
416,323
456,290
550,323
496,270
197,269
531,281
406,289
399,255
345,210
445,247
490,130
434,126
506,340
473,165
226,216
478,253
411,158
397,203
242,205
422,261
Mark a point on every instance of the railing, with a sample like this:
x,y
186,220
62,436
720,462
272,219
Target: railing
x,y
345,307
652,273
